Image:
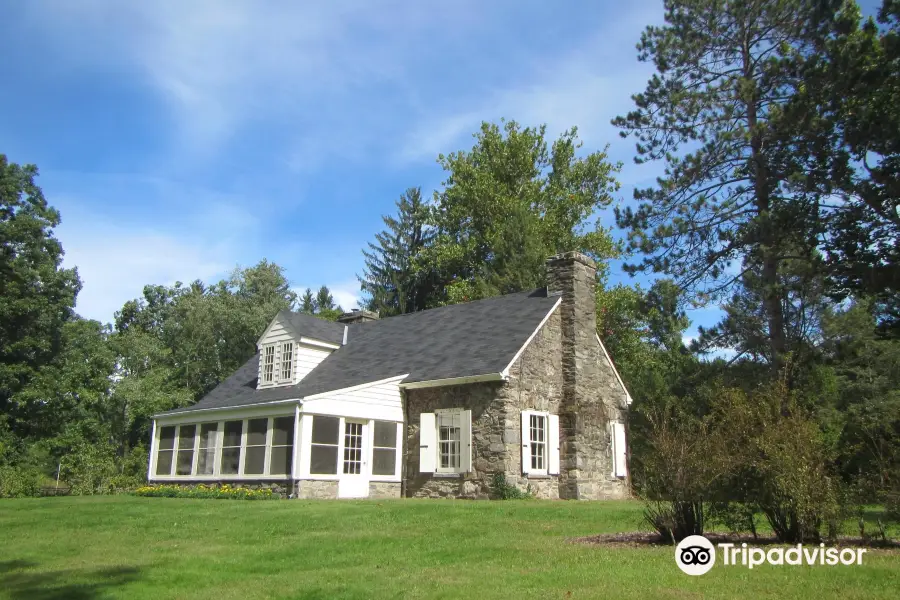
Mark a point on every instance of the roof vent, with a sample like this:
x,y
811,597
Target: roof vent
x,y
357,316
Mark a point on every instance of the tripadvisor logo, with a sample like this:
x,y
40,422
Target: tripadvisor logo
x,y
695,555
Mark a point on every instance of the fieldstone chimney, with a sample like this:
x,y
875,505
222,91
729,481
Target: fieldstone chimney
x,y
357,316
589,391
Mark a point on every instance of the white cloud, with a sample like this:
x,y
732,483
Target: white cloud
x,y
115,263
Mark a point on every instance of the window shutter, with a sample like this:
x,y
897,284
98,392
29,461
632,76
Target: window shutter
x,y
466,442
553,443
427,443
526,441
619,449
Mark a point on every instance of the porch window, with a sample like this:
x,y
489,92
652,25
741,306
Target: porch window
x,y
323,455
231,448
282,446
255,452
384,448
185,449
166,450
206,459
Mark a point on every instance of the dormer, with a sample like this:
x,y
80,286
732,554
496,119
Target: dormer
x,y
293,345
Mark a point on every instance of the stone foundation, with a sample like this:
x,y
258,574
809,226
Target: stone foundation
x,y
384,489
310,489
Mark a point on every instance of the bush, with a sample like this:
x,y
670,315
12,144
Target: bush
x,y
223,492
18,482
682,470
503,490
90,469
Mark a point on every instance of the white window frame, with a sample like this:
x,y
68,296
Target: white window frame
x,y
286,365
439,416
268,376
541,431
550,443
430,443
219,441
305,449
618,449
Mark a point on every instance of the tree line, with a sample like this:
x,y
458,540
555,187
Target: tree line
x,y
776,125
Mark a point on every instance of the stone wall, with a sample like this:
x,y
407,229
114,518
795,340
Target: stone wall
x,y
311,489
535,383
488,450
592,396
384,489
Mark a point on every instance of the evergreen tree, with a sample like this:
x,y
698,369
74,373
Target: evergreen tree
x,y
713,112
391,280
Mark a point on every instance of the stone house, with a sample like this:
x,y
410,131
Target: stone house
x,y
428,404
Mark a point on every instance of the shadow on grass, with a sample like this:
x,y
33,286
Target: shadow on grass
x,y
19,580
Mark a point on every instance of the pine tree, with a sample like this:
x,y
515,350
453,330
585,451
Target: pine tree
x,y
391,279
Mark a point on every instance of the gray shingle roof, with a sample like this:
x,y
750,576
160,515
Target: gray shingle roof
x,y
313,327
461,340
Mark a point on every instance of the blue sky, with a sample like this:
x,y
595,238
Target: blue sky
x,y
182,138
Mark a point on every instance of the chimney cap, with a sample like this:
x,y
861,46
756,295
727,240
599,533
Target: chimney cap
x,y
573,256
357,316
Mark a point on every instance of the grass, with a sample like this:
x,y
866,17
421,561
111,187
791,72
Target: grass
x,y
154,548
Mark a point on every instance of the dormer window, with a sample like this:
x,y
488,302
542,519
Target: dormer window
x,y
287,362
269,364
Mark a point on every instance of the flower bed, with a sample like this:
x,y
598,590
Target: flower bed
x,y
225,491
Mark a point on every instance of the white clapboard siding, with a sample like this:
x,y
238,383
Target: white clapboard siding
x,y
380,400
307,358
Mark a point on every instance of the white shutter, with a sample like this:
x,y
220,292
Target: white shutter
x,y
553,442
619,449
526,441
465,450
427,443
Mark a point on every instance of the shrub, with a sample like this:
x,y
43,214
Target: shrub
x,y
18,482
503,490
683,466
223,492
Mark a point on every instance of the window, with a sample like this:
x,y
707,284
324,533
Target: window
x,y
449,433
268,364
384,450
324,445
185,461
166,450
538,440
540,443
281,454
231,447
287,361
255,452
262,446
206,459
445,441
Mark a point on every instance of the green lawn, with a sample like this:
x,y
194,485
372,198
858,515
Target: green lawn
x,y
153,548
